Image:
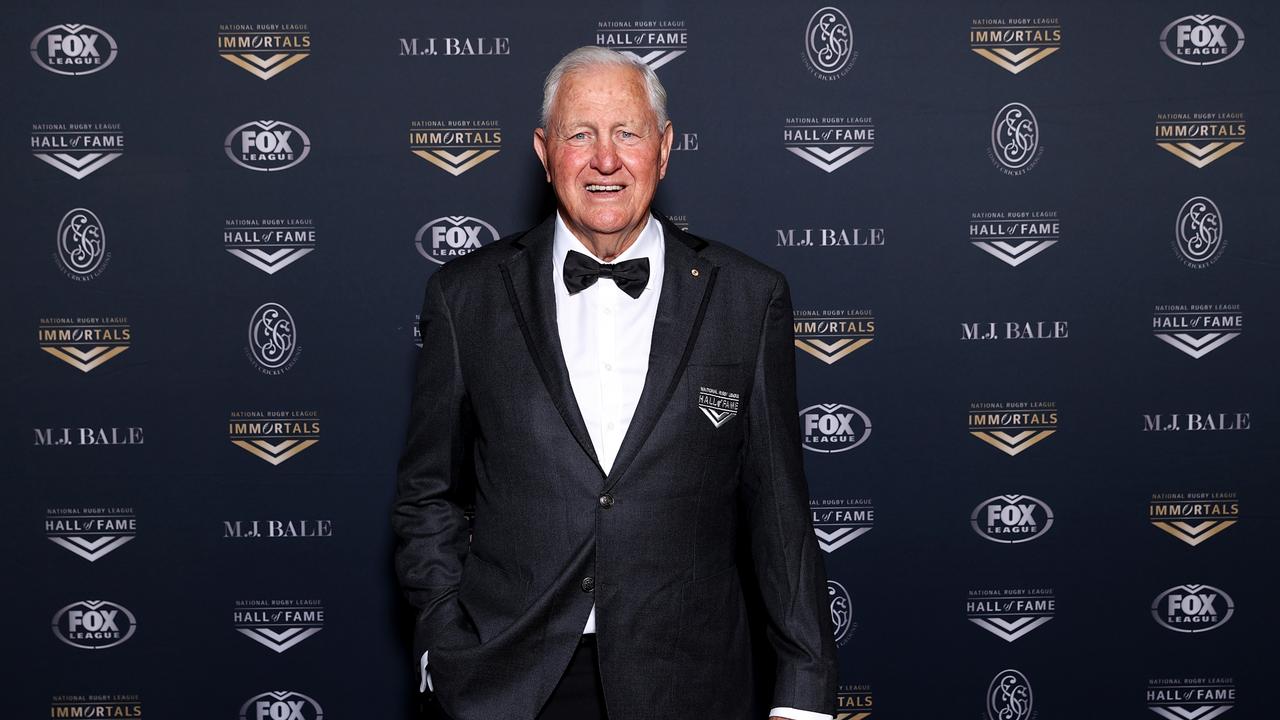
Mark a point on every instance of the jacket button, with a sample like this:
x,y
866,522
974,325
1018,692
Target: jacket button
x,y
588,584
606,501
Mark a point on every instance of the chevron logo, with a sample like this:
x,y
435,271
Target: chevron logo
x,y
91,550
1012,253
270,261
717,417
1009,630
1200,155
656,58
1178,712
455,163
274,453
1015,62
264,67
852,716
1193,534
1198,346
84,360
833,540
78,166
281,640
829,160
1012,443
830,352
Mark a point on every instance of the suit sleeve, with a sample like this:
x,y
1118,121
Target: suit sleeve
x,y
784,550
427,516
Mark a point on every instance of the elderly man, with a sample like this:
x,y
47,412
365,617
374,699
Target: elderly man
x,y
617,398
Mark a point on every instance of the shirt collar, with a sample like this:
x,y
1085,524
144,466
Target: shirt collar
x,y
648,244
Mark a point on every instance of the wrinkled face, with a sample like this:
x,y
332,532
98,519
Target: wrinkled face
x,y
603,151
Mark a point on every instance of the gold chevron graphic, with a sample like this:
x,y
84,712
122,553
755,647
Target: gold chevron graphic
x,y
853,716
455,164
1012,444
275,453
1016,62
1194,534
85,360
1201,155
265,68
830,352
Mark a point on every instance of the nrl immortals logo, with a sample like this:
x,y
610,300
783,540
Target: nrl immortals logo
x,y
1202,39
81,245
267,145
93,624
1010,614
854,702
275,435
828,143
653,42
828,44
1197,330
73,49
90,533
1014,237
1192,608
841,612
1011,428
1009,696
1201,698
269,244
1200,138
720,406
1197,233
451,236
1015,44
278,624
1015,140
839,522
455,146
1194,517
1011,519
273,339
830,335
281,705
77,149
264,51
84,343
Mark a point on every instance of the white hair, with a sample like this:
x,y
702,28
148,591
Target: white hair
x,y
589,56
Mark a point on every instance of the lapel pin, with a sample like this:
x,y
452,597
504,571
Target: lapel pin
x,y
694,272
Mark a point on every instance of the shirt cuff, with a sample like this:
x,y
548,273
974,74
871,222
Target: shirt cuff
x,y
794,714
425,685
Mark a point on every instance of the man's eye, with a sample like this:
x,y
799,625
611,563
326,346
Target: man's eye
x,y
580,136
627,135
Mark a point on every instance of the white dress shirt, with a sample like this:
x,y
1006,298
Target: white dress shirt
x,y
605,336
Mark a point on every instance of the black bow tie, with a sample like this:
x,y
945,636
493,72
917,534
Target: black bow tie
x,y
581,272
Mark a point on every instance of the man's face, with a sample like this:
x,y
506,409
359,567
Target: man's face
x,y
603,151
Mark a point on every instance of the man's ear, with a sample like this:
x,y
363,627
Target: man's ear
x,y
540,147
664,149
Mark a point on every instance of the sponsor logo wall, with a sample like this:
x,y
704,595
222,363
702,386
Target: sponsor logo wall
x,y
1038,432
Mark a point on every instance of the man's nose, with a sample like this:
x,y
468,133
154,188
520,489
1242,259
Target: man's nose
x,y
605,157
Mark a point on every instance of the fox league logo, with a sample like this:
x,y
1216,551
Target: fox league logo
x,y
833,427
1192,608
1009,696
451,236
267,145
73,49
281,705
1011,519
93,624
1202,39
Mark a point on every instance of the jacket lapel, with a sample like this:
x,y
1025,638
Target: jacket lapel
x,y
687,282
528,279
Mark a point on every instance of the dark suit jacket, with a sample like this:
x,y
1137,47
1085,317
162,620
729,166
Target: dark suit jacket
x,y
652,544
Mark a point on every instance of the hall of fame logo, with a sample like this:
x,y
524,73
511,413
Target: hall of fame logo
x,y
417,330
1009,697
110,705
854,702
1014,237
455,146
1015,140
1197,330
90,533
719,406
1200,138
278,625
281,705
841,605
828,44
264,50
1201,698
273,339
1202,39
1010,614
831,335
653,42
1198,236
1194,517
451,236
81,253
1012,427
77,149
1011,519
1192,608
94,624
1015,44
828,143
833,428
274,435
84,343
839,522
267,145
269,244
73,49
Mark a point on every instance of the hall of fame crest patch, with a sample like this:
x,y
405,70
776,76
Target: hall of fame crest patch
x,y
720,406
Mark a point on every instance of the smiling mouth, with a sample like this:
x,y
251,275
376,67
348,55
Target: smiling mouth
x,y
605,189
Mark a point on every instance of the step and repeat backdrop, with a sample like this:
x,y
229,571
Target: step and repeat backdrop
x,y
1033,254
